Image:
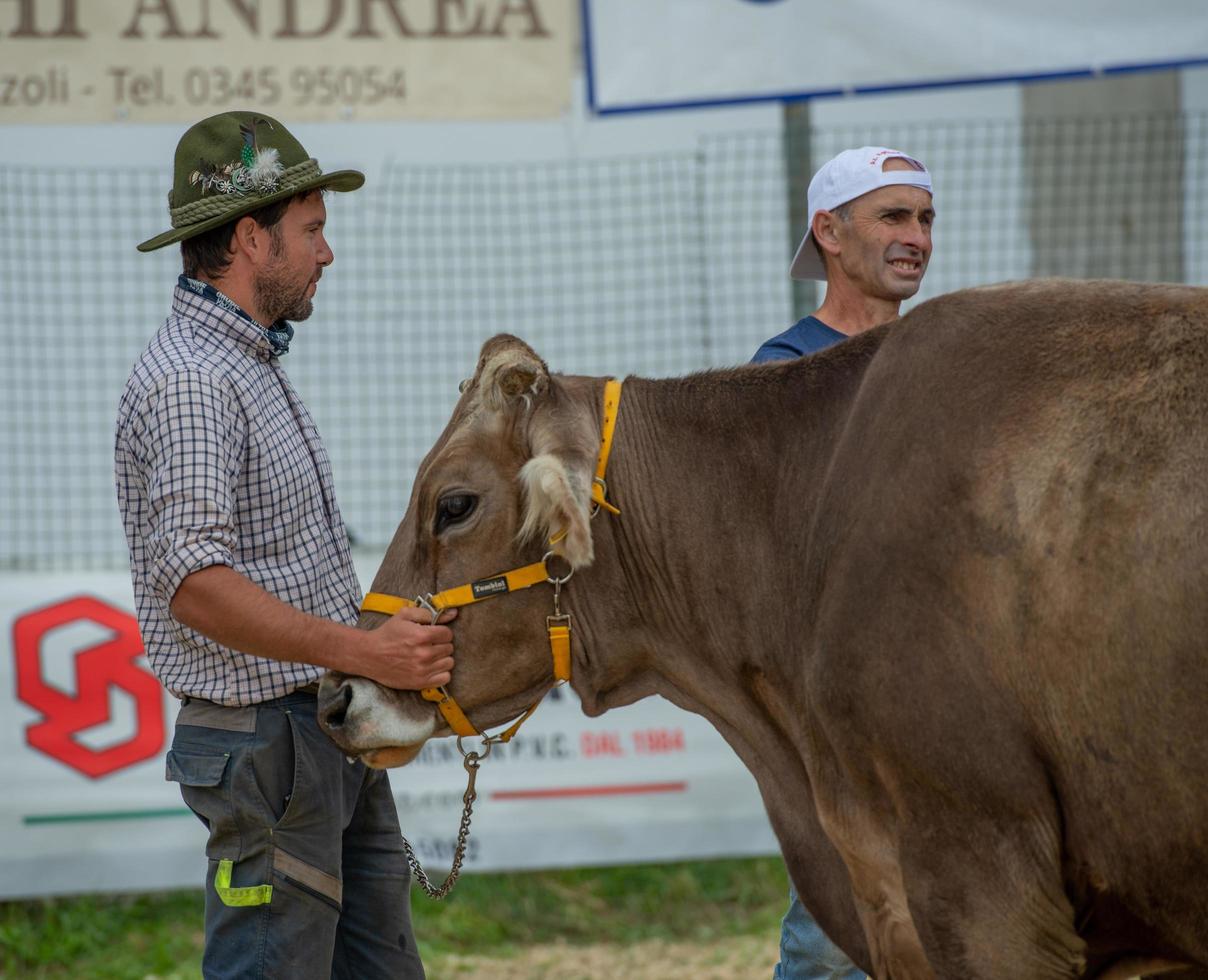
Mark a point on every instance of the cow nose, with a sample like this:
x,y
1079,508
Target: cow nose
x,y
334,709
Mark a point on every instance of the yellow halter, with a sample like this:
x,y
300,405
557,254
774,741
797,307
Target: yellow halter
x,y
557,626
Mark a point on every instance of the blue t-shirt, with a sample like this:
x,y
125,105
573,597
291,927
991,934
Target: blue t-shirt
x,y
806,336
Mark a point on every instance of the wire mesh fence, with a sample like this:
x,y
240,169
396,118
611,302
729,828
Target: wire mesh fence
x,y
654,265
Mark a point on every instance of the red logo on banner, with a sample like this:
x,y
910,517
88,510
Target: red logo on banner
x,y
110,663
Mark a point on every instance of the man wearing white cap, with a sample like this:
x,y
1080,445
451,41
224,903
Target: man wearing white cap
x,y
869,239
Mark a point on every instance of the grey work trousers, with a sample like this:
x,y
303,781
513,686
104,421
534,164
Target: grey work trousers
x,y
307,877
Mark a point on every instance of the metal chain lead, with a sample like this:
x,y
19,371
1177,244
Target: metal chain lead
x,y
471,763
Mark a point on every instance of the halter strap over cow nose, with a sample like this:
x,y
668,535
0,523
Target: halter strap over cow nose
x,y
558,626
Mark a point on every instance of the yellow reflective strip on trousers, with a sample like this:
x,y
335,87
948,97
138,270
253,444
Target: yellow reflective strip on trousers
x,y
239,897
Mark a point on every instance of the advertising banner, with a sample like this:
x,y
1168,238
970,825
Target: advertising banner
x,y
644,56
73,61
85,726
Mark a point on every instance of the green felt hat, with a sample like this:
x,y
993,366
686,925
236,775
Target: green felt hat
x,y
234,163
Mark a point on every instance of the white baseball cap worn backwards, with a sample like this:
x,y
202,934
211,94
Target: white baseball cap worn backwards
x,y
852,174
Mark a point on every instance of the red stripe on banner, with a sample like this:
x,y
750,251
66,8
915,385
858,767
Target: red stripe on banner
x,y
630,789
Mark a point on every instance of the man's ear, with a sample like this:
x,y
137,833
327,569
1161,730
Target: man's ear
x,y
251,239
826,231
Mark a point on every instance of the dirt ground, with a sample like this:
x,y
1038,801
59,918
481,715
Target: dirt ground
x,y
743,958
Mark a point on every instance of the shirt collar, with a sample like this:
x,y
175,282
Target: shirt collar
x,y
273,340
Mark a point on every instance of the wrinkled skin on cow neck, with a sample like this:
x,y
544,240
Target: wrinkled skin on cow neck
x,y
942,587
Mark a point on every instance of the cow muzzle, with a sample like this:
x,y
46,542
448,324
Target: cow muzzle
x,y
384,729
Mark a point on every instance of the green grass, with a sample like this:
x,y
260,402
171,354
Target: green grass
x,y
160,935
102,937
699,900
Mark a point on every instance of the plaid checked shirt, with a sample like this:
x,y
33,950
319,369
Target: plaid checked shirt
x,y
218,462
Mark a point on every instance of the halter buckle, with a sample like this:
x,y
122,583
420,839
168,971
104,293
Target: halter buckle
x,y
425,602
598,481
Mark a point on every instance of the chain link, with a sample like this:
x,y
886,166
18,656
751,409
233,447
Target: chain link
x,y
472,760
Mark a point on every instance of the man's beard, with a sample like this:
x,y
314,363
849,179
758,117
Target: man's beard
x,y
279,296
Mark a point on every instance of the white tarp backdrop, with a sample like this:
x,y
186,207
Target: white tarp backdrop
x,y
675,53
85,726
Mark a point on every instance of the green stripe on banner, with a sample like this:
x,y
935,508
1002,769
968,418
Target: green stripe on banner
x,y
36,818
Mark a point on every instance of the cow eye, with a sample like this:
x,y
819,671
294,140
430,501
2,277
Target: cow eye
x,y
453,509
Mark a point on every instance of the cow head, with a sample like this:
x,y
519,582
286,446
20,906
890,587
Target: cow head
x,y
512,470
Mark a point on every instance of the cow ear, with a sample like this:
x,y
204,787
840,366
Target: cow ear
x,y
508,370
557,505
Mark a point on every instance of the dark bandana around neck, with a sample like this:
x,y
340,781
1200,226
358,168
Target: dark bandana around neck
x,y
278,335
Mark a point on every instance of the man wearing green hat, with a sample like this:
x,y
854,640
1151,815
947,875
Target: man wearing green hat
x,y
243,580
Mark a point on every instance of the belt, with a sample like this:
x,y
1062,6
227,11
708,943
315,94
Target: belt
x,y
239,718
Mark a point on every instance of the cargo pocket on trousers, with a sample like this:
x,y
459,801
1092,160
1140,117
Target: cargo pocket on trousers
x,y
204,790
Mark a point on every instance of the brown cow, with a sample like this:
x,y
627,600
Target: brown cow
x,y
943,587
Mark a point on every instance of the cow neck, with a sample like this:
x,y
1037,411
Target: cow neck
x,y
733,465
558,625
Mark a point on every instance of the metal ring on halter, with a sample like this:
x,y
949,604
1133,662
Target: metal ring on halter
x,y
553,579
477,756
